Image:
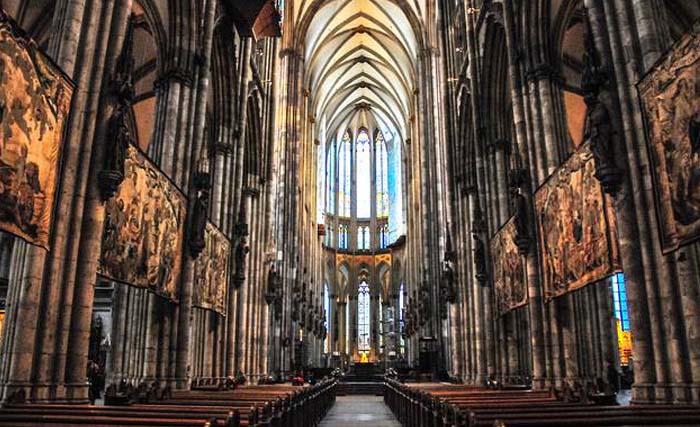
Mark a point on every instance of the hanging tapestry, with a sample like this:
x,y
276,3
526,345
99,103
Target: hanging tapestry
x,y
670,96
211,271
508,271
35,101
577,230
144,229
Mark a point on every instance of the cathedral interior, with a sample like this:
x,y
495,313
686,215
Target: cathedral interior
x,y
429,213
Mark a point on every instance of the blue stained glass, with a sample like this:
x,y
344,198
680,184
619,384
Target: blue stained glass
x,y
367,172
363,238
619,291
321,177
363,316
382,178
344,175
402,313
326,315
330,178
396,219
364,176
343,236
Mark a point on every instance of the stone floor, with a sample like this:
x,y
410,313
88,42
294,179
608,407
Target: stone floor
x,y
357,411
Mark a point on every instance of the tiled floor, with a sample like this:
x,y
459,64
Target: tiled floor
x,y
357,411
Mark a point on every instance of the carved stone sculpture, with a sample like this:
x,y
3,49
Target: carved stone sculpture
x,y
522,220
271,292
200,211
112,173
599,133
448,278
242,250
480,260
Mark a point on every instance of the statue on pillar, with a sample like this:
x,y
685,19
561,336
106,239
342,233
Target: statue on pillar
x,y
480,260
199,213
122,89
599,131
522,220
296,306
271,292
425,306
448,282
242,250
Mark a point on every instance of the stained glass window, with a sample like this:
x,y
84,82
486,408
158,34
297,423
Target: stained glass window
x,y
326,316
363,310
330,178
345,175
619,291
380,347
383,236
359,176
402,302
364,174
363,238
321,177
329,235
342,236
382,176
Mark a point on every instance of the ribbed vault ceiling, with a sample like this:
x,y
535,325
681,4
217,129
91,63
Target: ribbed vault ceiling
x,y
360,65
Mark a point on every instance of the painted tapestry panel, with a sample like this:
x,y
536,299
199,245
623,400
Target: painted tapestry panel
x,y
508,271
670,96
576,227
35,101
144,229
211,271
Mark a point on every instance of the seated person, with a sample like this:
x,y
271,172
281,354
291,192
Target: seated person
x,y
298,379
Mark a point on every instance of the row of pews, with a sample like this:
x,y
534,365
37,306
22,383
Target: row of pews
x,y
441,405
254,406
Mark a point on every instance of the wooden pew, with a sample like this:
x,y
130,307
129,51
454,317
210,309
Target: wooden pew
x,y
256,406
585,415
439,405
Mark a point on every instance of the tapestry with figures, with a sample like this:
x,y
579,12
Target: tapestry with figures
x,y
508,271
35,98
670,96
144,229
577,231
211,271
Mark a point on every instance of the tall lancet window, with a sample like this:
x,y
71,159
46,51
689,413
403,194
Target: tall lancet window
x,y
382,175
363,238
345,175
383,236
330,178
360,177
342,236
364,174
327,317
363,316
402,316
321,177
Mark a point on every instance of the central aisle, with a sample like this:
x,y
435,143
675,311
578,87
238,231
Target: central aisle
x,y
355,411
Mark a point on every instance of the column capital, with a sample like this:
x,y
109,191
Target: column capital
x,y
251,191
543,71
222,148
500,145
175,73
429,51
294,53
